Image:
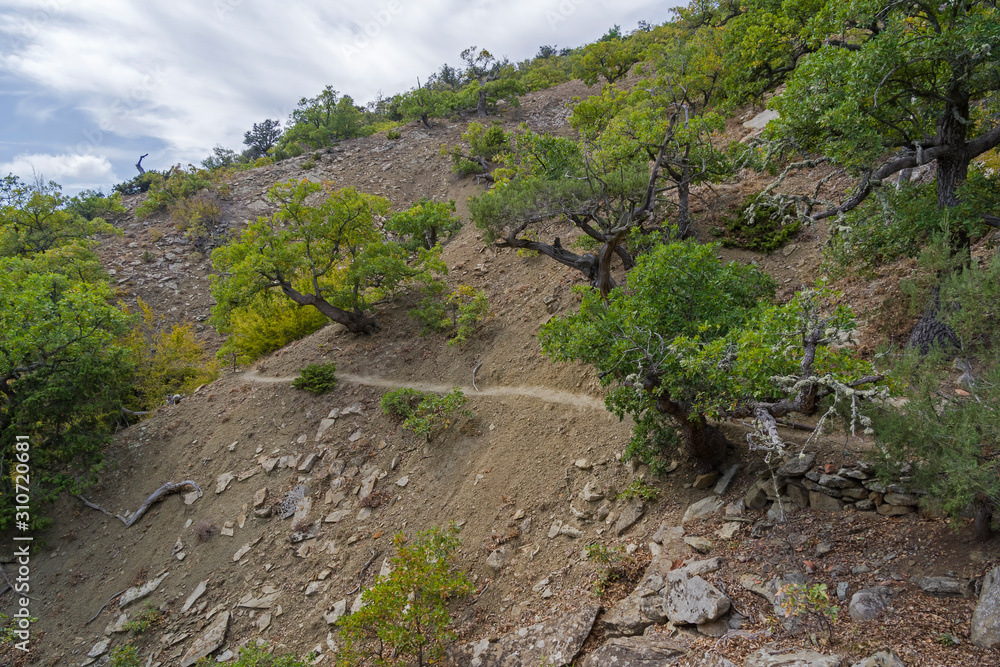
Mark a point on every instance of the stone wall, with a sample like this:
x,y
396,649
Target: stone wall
x,y
799,483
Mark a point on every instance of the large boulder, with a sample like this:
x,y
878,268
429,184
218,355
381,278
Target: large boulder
x,y
636,652
986,619
556,641
628,616
211,639
691,599
868,603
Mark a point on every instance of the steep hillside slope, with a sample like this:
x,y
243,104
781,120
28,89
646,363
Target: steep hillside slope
x,y
513,476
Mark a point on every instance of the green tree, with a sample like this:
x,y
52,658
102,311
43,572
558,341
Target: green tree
x,y
489,80
422,224
692,340
611,59
425,102
37,220
946,434
547,179
332,257
323,120
667,119
63,378
260,139
405,619
896,85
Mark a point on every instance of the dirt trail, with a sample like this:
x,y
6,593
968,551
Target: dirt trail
x,y
541,393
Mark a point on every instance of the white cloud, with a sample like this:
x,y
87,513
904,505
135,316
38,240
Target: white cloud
x,y
192,74
81,170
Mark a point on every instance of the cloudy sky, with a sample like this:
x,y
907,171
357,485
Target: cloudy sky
x,y
87,87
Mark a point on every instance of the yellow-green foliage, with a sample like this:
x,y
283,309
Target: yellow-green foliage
x,y
196,215
166,190
169,360
267,323
471,307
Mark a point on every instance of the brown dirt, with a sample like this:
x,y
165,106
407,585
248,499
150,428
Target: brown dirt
x,y
532,420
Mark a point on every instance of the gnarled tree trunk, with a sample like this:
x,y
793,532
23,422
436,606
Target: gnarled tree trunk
x,y
703,442
355,322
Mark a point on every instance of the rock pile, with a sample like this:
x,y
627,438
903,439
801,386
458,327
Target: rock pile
x,y
798,483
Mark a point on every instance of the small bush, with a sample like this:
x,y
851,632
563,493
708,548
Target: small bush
x,y
266,323
393,135
760,226
169,360
810,601
167,190
421,413
609,561
197,217
947,432
92,204
317,378
470,307
405,617
139,184
463,311
149,618
255,655
125,655
485,145
638,489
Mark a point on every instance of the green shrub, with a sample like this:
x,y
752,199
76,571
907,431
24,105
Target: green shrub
x,y
470,307
405,617
422,225
254,655
167,190
125,655
197,216
946,434
149,618
401,403
432,310
266,323
810,601
760,226
463,311
637,488
422,412
139,184
317,378
393,135
609,561
92,204
485,146
168,360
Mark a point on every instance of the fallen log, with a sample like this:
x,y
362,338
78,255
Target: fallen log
x,y
168,488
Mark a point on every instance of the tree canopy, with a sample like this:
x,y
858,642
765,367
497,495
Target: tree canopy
x,y
332,256
896,85
692,339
